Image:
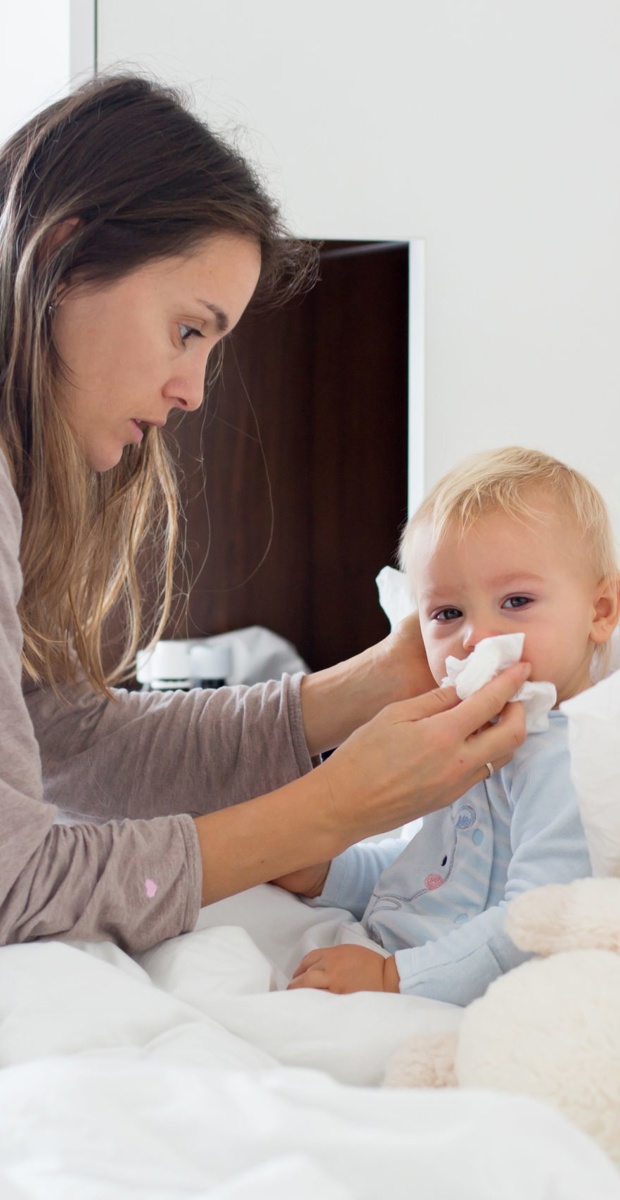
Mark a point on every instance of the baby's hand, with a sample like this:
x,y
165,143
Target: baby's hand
x,y
344,969
306,882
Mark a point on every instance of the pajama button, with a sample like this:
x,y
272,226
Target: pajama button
x,y
466,817
461,918
477,837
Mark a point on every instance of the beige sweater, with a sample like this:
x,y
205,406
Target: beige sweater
x,y
132,770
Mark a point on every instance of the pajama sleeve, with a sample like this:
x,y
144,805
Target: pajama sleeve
x,y
354,873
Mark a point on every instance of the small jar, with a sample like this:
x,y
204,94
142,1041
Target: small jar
x,y
211,665
182,665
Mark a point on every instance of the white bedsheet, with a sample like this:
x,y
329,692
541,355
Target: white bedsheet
x,y
185,1076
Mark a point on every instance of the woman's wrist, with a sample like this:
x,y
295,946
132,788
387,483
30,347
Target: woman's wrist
x,y
336,701
293,828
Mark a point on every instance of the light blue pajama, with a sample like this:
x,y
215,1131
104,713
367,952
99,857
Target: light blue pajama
x,y
439,905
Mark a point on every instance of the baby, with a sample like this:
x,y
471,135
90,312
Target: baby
x,y
512,541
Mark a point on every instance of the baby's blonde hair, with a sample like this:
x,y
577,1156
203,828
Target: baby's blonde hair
x,y
510,480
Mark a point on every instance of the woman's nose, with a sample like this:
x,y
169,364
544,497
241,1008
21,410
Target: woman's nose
x,y
191,400
187,390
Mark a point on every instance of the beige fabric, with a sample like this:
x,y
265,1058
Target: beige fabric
x,y
143,757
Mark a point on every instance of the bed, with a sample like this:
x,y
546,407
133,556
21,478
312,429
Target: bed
x,y
191,1073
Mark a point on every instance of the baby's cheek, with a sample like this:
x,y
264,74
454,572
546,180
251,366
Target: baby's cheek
x,y
540,653
437,664
437,649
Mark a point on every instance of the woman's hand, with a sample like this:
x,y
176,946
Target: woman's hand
x,y
401,659
414,757
343,969
336,701
419,755
307,882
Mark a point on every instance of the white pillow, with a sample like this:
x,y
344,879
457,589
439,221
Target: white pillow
x,y
594,741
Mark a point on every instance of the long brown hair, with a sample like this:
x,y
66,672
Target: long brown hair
x,y
141,178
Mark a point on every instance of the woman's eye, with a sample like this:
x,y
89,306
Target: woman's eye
x,y
187,331
516,602
447,614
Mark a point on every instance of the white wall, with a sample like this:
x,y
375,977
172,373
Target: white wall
x,y
489,128
34,58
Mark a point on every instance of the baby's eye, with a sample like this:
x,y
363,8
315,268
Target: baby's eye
x,y
516,602
447,614
187,331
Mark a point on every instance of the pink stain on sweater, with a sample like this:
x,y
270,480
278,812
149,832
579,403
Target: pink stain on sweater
x,y
150,888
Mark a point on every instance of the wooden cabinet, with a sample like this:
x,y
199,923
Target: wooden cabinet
x,y
295,472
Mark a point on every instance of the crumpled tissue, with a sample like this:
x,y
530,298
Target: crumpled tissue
x,y
594,743
487,659
490,656
394,596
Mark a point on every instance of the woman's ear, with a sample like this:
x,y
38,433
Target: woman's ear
x,y
55,237
59,233
606,610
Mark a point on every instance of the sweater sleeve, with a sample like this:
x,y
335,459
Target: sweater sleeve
x,y
147,754
134,881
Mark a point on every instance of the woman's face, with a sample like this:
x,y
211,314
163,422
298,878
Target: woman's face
x,y
137,348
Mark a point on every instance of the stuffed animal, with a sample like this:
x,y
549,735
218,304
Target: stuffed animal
x,y
550,1028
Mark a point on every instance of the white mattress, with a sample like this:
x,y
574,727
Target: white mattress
x,y
185,1076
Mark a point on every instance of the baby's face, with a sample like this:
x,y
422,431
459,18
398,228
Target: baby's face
x,y
509,576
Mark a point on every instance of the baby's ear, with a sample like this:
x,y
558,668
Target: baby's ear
x,y
606,609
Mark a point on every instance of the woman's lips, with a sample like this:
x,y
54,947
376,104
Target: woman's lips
x,y
138,431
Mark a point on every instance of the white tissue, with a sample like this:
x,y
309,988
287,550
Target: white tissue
x,y
491,656
594,742
394,595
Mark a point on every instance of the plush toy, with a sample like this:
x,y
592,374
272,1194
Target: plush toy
x,y
550,1028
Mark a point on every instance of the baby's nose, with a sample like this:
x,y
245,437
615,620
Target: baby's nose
x,y
475,632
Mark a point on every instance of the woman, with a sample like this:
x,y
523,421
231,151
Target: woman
x,y
131,241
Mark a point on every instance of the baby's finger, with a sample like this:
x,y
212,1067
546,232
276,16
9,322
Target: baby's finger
x,y
309,960
313,978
